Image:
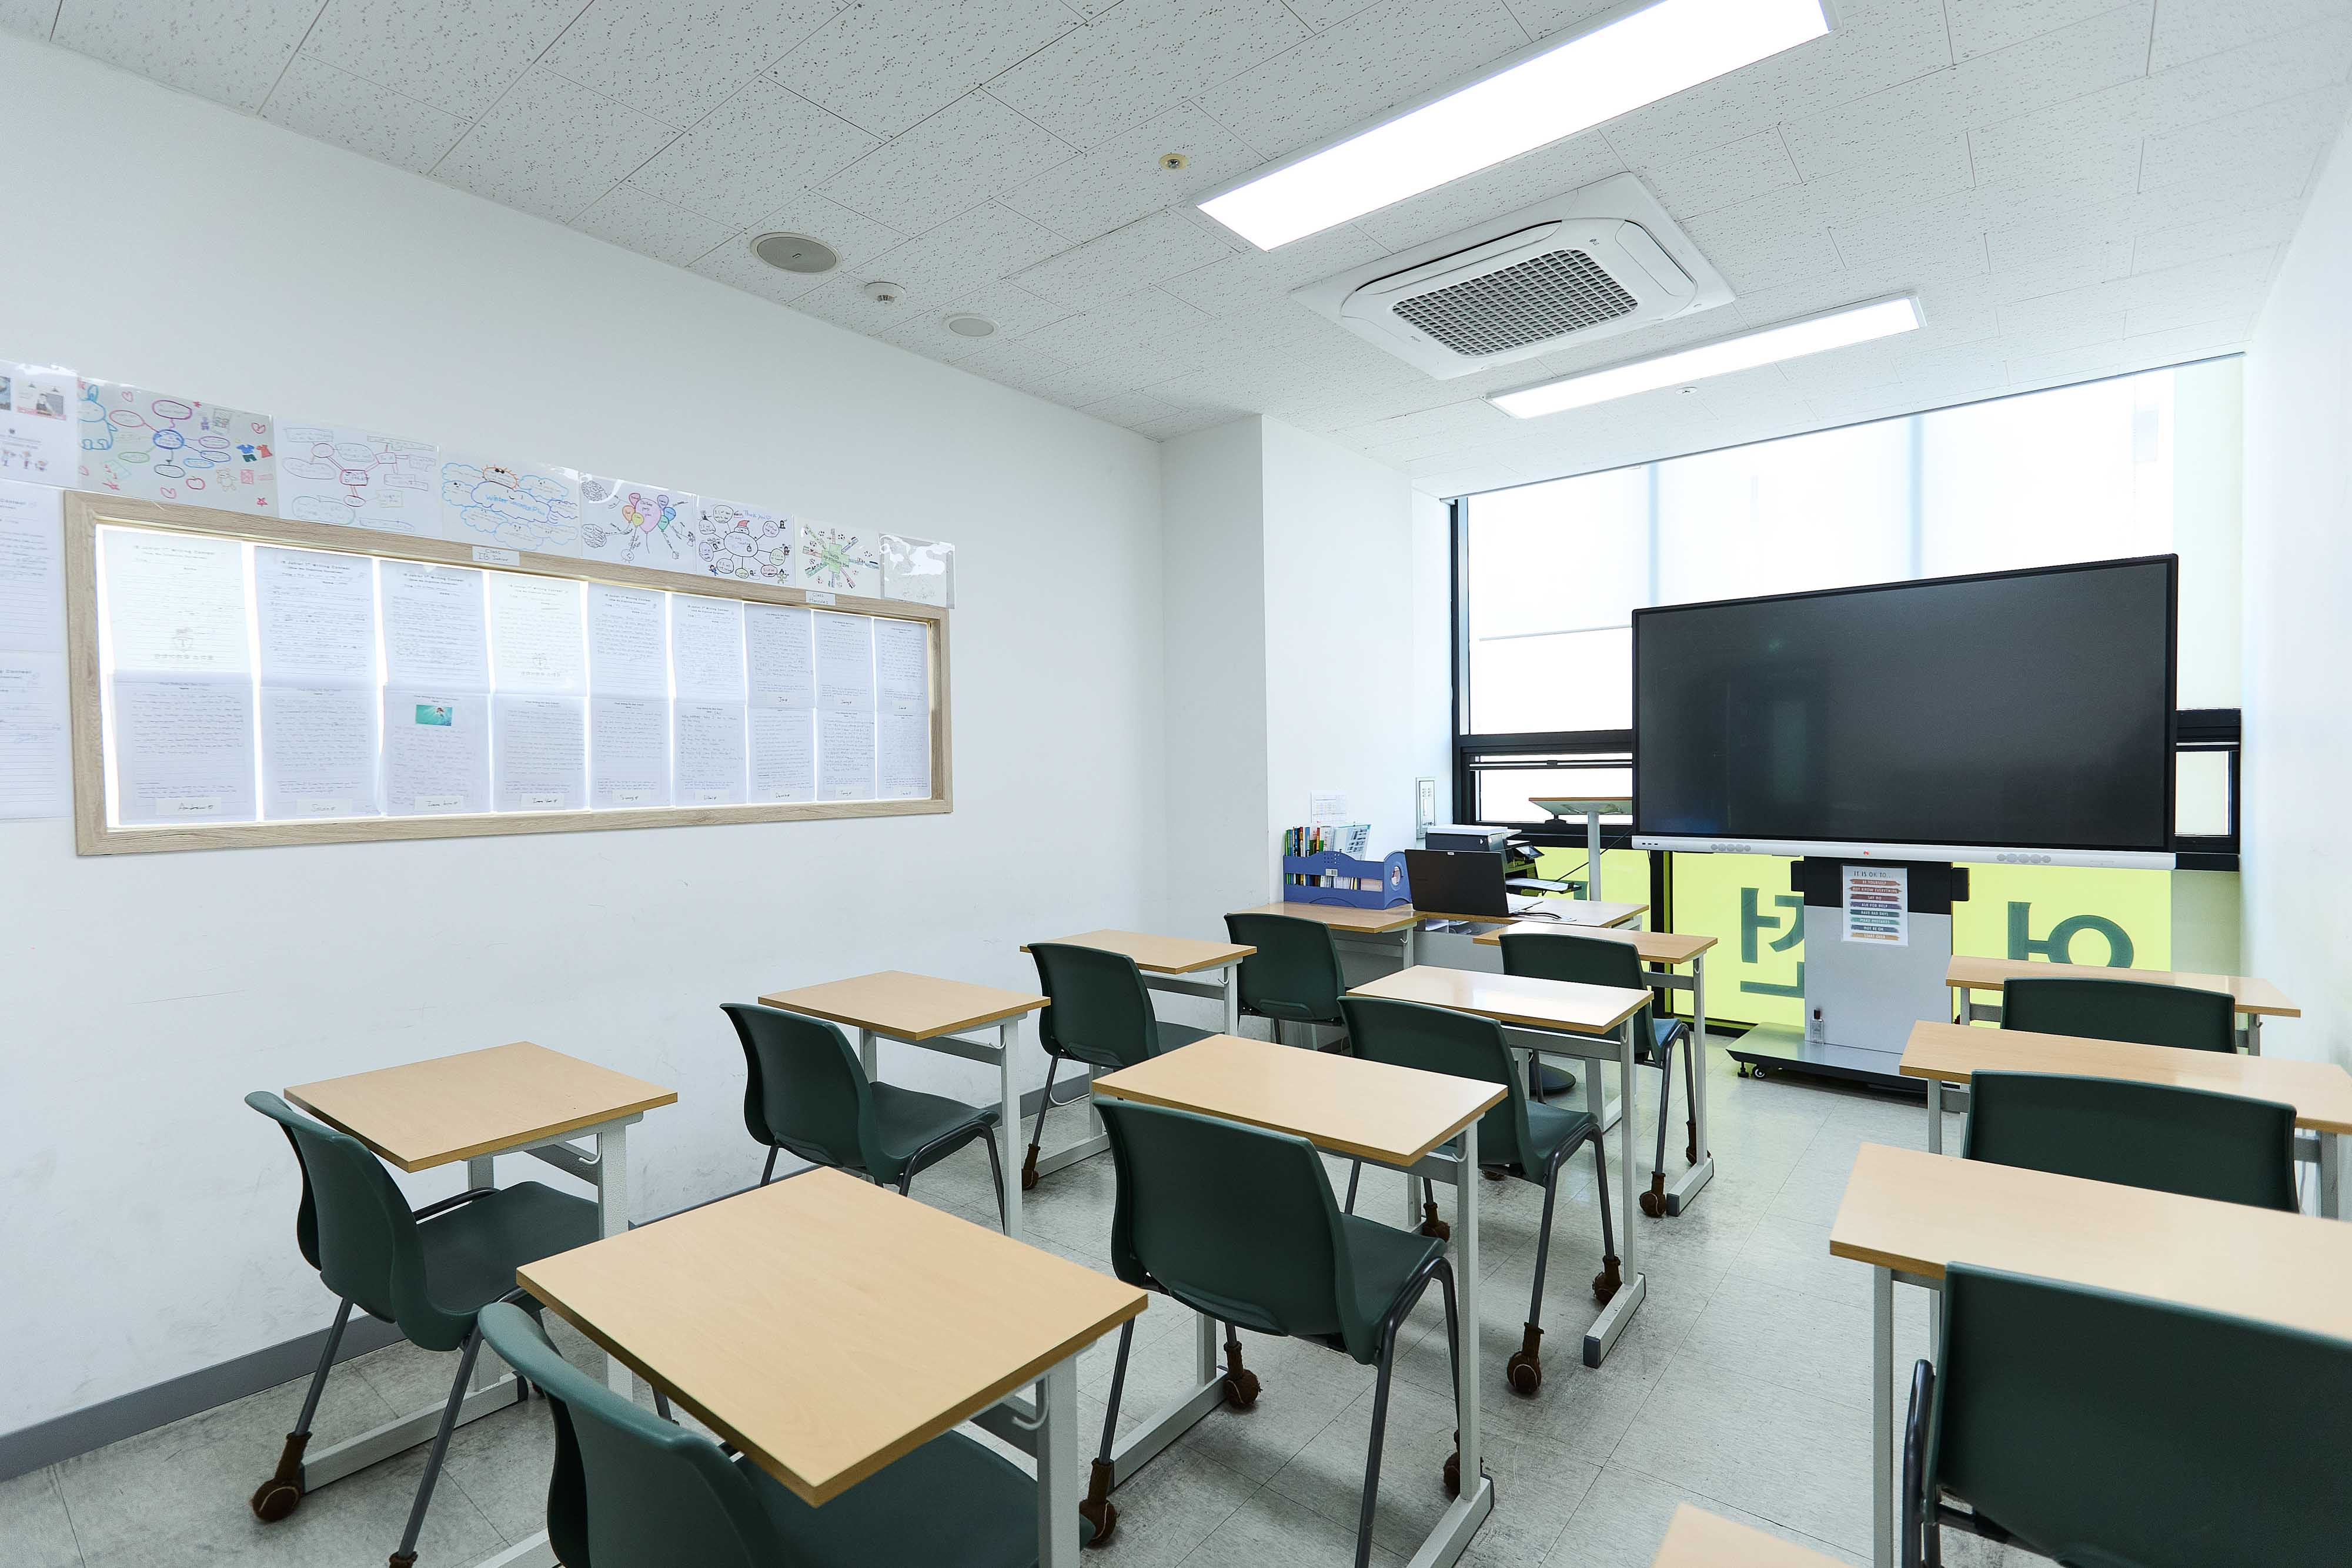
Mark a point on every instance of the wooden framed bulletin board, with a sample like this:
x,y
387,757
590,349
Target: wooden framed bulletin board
x,y
99,825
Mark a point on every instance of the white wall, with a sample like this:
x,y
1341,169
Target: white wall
x,y
2298,638
148,1215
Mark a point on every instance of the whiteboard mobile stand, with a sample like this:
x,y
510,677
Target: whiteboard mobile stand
x,y
1591,810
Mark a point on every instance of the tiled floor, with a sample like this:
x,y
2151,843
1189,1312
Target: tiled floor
x,y
1742,1385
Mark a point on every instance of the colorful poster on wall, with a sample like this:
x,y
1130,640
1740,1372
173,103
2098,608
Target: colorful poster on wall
x,y
748,544
358,478
514,505
835,559
630,523
164,448
38,441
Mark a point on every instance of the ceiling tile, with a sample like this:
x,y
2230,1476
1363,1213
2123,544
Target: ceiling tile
x,y
1152,324
1121,181
1250,279
2283,66
230,51
1140,58
969,250
2202,241
1981,26
1185,423
887,66
1892,149
751,153
857,240
350,111
2188,342
2283,135
645,223
2188,30
1735,172
1541,18
32,18
1131,409
965,153
2067,364
1101,270
677,60
1565,165
552,147
2066,63
1386,54
2081,146
1766,243
456,55
1057,381
1015,310
840,297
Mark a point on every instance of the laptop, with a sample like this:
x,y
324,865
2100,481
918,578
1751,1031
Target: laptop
x,y
1457,882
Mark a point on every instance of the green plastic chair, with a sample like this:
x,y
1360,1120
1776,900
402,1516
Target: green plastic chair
x,y
1597,961
1239,1224
2135,1011
631,1490
1522,1137
2162,1137
1098,1014
430,1271
2113,1431
805,1091
1294,976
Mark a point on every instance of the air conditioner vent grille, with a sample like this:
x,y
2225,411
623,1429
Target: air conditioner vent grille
x,y
1546,296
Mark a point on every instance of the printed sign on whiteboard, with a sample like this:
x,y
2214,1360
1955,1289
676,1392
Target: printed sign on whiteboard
x,y
1877,900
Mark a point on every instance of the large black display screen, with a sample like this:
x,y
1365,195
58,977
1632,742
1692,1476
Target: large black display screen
x,y
2028,709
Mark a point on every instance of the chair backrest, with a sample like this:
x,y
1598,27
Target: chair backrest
x,y
357,1231
804,1088
2157,1135
1099,1012
1584,960
630,1489
1294,973
2105,1429
1460,1045
2135,1010
1230,1220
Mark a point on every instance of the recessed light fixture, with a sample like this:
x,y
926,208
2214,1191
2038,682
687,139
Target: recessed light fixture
x,y
795,253
1789,341
1643,54
967,325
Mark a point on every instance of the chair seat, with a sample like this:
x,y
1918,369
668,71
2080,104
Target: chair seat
x,y
1663,1035
1293,1012
951,1501
1383,1259
472,1251
1551,1129
1169,1036
907,1119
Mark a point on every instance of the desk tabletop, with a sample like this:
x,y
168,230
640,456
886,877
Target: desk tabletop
x,y
1654,947
905,1005
1512,999
826,1327
1344,918
1344,1103
1697,1538
1987,973
2320,1091
1914,1212
428,1114
1161,955
1572,912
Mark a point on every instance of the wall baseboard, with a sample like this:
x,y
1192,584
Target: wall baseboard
x,y
144,1409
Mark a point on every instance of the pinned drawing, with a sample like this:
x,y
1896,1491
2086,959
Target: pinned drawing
x,y
138,443
357,478
512,504
835,559
744,543
638,525
37,441
920,572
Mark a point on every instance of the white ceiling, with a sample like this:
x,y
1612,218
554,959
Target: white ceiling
x,y
2073,187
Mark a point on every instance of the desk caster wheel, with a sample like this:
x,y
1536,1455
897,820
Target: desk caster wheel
x,y
1029,1172
1490,1173
1242,1390
281,1494
1432,1226
1606,1284
1097,1513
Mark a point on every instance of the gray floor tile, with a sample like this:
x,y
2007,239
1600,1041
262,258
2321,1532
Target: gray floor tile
x,y
1269,1527
35,1531
1169,1508
1623,1518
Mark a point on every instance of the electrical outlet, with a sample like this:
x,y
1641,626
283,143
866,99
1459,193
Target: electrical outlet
x,y
1424,809
1816,1031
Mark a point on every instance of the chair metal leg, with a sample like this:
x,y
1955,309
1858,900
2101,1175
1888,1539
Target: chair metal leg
x,y
1355,1175
1922,1541
1098,1510
1241,1382
406,1556
1524,1370
767,1173
281,1494
1654,1202
1606,1284
1372,1457
661,1406
1690,1097
1037,1132
1431,1225
1445,1273
996,1180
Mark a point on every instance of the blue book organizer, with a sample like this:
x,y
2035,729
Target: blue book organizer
x,y
1379,882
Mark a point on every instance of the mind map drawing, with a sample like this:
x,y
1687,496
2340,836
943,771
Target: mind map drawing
x,y
622,521
745,543
136,443
327,474
839,561
519,506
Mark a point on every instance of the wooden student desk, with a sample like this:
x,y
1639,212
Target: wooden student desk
x,y
1908,1213
933,1015
1559,1019
1182,965
1697,1538
826,1327
1670,949
2320,1091
1392,1116
508,1099
2256,1000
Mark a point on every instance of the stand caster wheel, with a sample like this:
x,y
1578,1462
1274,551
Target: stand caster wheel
x,y
1490,1173
1100,1520
1242,1390
1525,1371
1453,1474
274,1500
1690,1150
1606,1284
1654,1201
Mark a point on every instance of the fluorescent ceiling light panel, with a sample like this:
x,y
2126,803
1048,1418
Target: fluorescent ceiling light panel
x,y
1789,341
1553,91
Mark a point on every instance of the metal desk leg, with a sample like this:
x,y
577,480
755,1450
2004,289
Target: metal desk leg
x,y
1405,946
1232,974
613,1219
2253,1034
1631,1286
1061,1482
1702,1170
1463,1246
2331,1175
870,1054
1935,1115
1882,1417
482,1171
1008,1123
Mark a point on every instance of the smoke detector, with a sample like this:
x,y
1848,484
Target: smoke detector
x,y
882,293
1593,264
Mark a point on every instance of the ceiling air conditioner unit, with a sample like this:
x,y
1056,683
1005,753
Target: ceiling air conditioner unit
x,y
1589,265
